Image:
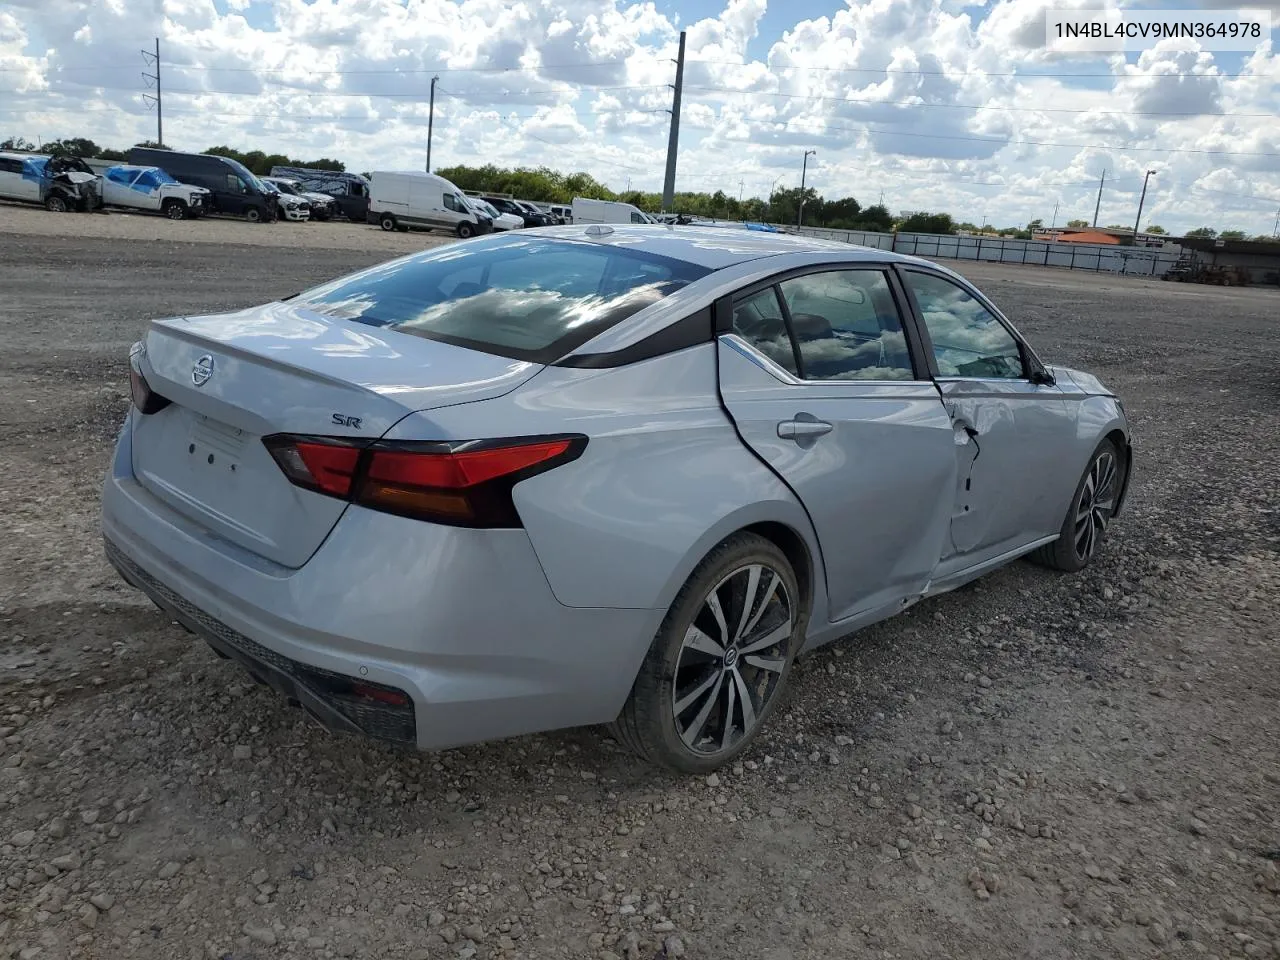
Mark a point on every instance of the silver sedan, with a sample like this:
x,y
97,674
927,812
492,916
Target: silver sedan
x,y
573,475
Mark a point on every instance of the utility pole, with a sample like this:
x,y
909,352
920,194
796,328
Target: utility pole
x,y
673,140
150,78
804,169
741,185
1275,231
1055,215
1141,201
1097,205
431,119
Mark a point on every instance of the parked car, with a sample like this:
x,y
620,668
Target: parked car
x,y
233,190
59,183
323,206
509,206
562,213
501,221
288,206
534,217
607,211
349,191
399,200
588,475
150,188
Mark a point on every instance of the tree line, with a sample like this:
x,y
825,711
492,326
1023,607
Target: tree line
x,y
551,186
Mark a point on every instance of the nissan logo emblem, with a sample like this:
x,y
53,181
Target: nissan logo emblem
x,y
202,370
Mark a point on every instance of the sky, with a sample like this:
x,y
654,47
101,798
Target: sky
x,y
932,105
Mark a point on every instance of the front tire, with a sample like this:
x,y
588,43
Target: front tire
x,y
56,204
175,209
253,215
1089,514
718,666
466,231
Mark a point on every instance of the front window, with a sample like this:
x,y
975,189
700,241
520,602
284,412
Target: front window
x,y
154,178
456,203
968,339
528,298
235,184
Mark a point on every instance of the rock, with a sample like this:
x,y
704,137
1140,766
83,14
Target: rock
x,y
1157,934
435,919
103,901
777,812
474,932
68,861
56,828
259,877
984,681
263,935
673,946
713,780
170,870
242,751
23,838
89,915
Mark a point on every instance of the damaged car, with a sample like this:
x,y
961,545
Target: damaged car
x,y
60,183
150,188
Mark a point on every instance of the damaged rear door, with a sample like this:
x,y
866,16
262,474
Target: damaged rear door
x,y
1007,429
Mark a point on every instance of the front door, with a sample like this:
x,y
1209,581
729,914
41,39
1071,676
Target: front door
x,y
1006,493
820,381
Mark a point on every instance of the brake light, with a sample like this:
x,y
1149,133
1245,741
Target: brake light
x,y
144,398
461,484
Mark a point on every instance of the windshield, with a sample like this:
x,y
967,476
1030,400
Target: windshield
x,y
246,176
531,299
284,186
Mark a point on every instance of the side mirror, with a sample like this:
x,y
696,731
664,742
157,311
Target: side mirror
x,y
1042,377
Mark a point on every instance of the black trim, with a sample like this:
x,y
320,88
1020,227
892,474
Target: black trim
x,y
691,331
785,309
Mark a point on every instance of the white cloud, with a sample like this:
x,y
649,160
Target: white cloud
x,y
942,104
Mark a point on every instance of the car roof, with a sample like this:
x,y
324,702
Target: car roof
x,y
716,247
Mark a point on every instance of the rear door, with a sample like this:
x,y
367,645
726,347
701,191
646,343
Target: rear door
x,y
822,382
14,184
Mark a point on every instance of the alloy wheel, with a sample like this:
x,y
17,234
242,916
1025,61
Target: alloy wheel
x,y
732,659
1097,504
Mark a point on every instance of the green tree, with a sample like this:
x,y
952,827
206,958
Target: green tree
x,y
1231,235
1156,229
17,143
875,218
1077,223
1208,232
927,223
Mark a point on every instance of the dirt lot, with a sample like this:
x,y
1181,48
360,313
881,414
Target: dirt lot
x,y
1036,766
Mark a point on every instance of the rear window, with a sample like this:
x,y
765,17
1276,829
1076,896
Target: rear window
x,y
528,298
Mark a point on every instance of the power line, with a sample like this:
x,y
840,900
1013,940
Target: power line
x,y
1036,143
876,71
387,70
974,106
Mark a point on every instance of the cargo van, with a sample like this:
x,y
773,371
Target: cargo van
x,y
233,190
607,211
400,199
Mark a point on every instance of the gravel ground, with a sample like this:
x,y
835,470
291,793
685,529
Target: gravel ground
x,y
1038,765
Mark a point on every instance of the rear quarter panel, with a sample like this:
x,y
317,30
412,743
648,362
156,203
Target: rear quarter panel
x,y
663,479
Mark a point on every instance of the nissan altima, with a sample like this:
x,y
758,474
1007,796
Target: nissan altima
x,y
576,476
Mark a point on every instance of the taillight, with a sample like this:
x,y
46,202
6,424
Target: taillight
x,y
144,398
461,484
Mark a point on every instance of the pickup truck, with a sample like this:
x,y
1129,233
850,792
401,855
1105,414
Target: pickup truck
x,y
150,188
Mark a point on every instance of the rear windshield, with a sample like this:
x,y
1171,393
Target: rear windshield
x,y
529,298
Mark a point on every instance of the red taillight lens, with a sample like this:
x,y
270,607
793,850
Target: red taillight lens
x,y
467,484
319,465
144,398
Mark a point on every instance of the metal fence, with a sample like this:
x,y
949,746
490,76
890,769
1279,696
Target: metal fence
x,y
1139,261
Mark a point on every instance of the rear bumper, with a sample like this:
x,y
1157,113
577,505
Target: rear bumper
x,y
461,621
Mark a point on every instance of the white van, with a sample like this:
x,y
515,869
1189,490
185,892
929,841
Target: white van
x,y
150,188
400,199
607,211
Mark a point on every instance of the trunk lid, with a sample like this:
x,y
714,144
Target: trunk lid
x,y
235,378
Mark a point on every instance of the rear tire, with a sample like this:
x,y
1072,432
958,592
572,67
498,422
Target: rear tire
x,y
718,666
175,209
466,231
387,222
1089,513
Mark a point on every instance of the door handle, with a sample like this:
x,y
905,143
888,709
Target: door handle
x,y
802,429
